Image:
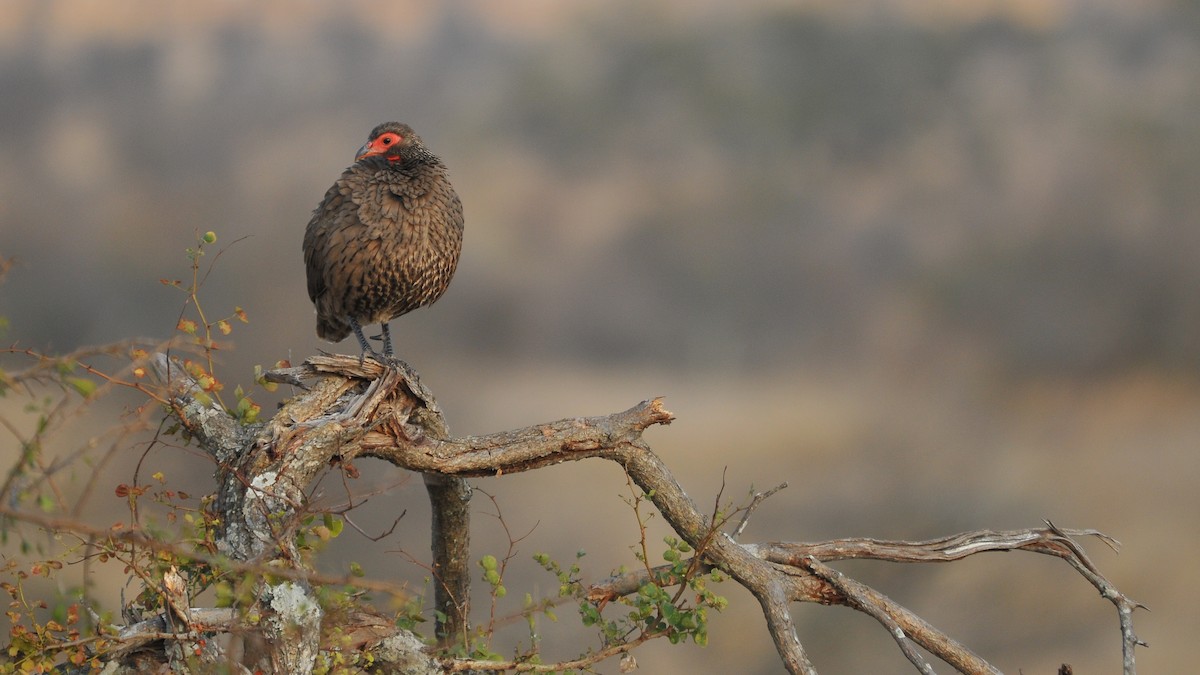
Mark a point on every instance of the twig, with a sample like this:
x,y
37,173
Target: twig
x,y
1125,606
460,665
759,498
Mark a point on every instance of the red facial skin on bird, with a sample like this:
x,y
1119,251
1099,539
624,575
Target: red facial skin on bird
x,y
380,146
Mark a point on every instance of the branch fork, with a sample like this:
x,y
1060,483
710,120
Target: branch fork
x,y
350,408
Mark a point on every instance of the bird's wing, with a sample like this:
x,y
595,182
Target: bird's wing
x,y
324,220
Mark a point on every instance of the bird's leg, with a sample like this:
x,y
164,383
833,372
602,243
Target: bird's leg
x,y
362,340
387,340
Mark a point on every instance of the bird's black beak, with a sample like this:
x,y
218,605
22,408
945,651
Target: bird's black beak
x,y
362,152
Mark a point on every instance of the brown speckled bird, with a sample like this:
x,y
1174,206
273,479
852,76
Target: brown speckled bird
x,y
386,238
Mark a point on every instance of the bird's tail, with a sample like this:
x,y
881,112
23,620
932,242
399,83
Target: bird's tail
x,y
332,329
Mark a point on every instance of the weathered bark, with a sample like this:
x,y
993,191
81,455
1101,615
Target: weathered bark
x,y
355,408
451,548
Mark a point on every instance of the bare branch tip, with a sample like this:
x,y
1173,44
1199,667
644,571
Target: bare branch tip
x,y
663,415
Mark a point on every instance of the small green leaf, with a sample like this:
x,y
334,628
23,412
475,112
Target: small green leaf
x,y
334,524
84,386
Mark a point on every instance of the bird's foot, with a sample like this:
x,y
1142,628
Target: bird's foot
x,y
387,339
362,342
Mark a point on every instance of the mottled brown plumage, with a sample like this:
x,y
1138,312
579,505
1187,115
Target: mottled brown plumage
x,y
386,238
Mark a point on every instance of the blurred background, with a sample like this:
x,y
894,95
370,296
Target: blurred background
x,y
932,263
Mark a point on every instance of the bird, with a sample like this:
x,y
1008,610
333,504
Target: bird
x,y
386,238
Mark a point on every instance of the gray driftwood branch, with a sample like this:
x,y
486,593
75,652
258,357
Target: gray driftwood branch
x,y
350,408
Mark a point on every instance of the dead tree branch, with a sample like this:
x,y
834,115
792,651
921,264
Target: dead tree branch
x,y
354,408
